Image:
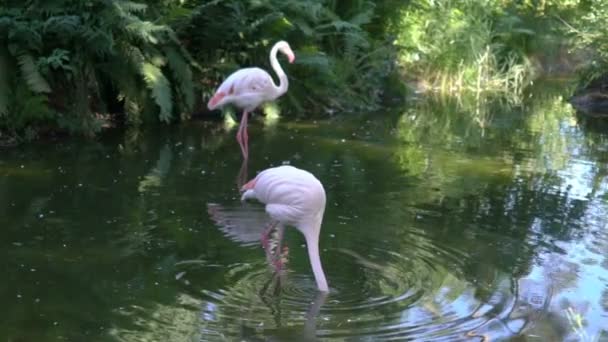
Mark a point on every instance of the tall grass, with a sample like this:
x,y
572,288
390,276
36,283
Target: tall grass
x,y
455,47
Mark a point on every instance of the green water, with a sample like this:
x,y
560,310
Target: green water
x,y
443,222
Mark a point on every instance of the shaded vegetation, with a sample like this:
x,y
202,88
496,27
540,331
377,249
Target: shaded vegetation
x,y
67,63
77,66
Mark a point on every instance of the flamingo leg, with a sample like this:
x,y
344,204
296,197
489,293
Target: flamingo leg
x,y
278,257
265,243
242,136
241,178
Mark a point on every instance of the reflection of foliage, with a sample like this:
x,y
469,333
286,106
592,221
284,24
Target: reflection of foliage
x,y
175,322
434,136
552,124
154,178
575,319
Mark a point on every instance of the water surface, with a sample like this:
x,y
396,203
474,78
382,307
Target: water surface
x,y
444,222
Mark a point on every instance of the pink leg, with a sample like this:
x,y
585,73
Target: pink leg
x,y
246,140
267,232
241,178
242,137
281,251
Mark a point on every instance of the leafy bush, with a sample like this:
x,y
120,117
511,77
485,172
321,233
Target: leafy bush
x,y
66,62
591,34
339,66
457,46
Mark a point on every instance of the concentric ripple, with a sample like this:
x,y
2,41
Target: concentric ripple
x,y
418,292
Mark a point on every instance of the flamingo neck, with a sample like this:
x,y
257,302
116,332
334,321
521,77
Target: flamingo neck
x,y
283,81
311,234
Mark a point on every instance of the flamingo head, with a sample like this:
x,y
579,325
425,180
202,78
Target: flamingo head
x,y
286,50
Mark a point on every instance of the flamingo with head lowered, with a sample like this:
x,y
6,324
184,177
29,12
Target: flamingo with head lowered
x,y
249,87
293,197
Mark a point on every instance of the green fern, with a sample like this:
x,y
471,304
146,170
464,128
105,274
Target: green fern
x,y
132,7
160,89
32,76
64,26
146,31
183,74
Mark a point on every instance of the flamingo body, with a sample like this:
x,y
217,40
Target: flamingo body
x,y
245,88
297,198
248,88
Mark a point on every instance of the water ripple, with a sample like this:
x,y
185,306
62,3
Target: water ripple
x,y
421,293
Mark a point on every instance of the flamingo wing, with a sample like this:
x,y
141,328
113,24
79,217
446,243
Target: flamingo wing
x,y
289,193
248,82
243,225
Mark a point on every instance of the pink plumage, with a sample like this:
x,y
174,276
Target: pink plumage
x,y
293,197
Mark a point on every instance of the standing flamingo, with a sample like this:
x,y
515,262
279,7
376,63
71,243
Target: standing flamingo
x,y
249,87
292,197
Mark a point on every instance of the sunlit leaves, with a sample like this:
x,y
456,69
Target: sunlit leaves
x,y
160,89
465,46
183,74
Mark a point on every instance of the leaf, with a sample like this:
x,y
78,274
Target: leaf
x,y
317,60
32,76
304,27
132,7
362,18
160,89
182,74
145,31
64,26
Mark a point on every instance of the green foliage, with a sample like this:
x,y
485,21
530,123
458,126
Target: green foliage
x,y
339,65
80,58
460,46
160,88
591,34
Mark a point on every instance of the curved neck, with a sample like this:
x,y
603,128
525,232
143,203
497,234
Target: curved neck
x,y
283,81
311,234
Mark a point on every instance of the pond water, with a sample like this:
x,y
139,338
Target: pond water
x,y
444,221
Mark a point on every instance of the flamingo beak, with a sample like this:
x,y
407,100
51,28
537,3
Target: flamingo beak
x,y
291,57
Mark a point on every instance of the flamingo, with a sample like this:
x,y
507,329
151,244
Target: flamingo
x,y
293,197
249,87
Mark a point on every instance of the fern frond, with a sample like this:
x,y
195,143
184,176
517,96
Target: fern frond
x,y
304,27
182,74
133,110
132,7
160,89
99,42
145,31
32,76
64,26
316,60
363,18
27,35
